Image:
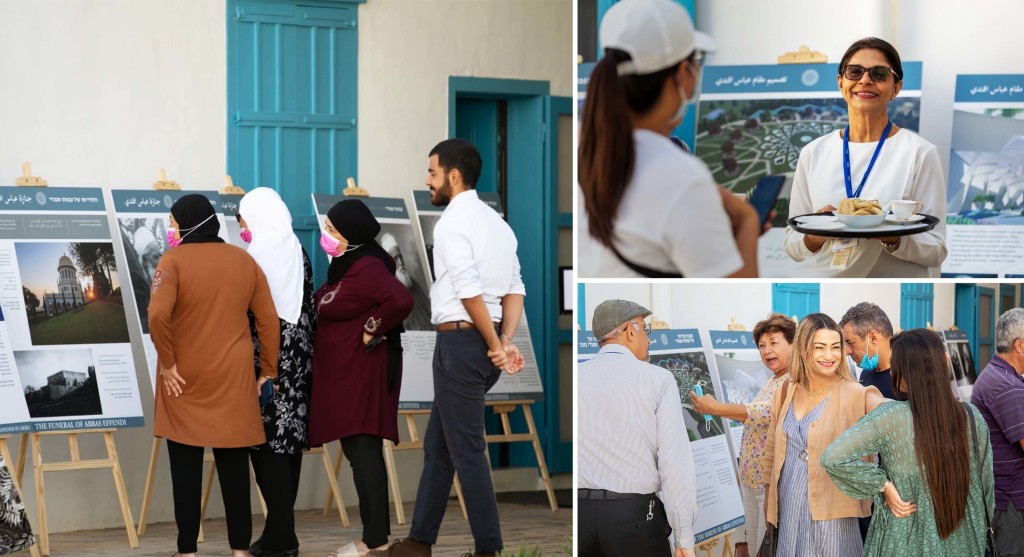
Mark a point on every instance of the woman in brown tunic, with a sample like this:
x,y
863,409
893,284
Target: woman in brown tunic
x,y
207,395
357,359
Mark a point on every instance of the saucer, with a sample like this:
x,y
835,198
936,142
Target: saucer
x,y
912,218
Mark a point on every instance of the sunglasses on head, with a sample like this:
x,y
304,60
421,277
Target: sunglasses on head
x,y
854,72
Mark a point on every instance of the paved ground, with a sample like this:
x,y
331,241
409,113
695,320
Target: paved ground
x,y
526,521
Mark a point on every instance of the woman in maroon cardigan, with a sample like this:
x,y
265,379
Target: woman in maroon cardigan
x,y
357,359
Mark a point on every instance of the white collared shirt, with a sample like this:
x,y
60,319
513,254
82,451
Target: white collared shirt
x,y
632,437
474,254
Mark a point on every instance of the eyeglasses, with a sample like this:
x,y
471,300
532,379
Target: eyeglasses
x,y
646,327
698,57
854,72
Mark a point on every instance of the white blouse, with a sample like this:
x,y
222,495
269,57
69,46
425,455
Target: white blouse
x,y
908,167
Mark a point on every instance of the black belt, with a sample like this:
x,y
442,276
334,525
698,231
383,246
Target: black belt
x,y
605,494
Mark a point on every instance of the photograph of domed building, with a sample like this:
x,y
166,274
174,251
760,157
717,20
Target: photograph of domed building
x,y
68,295
72,293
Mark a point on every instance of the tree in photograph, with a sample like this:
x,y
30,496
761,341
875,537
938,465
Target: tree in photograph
x,y
32,302
95,261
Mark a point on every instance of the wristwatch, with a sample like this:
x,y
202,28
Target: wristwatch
x,y
891,247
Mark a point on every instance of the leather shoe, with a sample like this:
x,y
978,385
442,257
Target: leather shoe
x,y
489,554
406,547
257,551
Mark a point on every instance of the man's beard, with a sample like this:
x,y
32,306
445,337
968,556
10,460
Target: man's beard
x,y
442,195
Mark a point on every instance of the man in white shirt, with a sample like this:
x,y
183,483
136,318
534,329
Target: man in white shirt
x,y
476,302
632,444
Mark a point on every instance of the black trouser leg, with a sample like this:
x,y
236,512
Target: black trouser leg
x,y
619,528
233,473
277,481
365,453
187,487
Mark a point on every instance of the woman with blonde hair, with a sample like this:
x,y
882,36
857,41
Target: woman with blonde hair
x,y
823,399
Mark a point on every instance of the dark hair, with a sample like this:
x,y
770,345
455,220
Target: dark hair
x,y
940,424
880,45
462,156
775,323
865,317
606,152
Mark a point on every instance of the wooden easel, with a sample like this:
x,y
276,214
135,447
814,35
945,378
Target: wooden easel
x,y
230,188
76,463
503,409
27,179
728,550
5,452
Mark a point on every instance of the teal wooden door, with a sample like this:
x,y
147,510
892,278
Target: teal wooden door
x,y
292,104
799,299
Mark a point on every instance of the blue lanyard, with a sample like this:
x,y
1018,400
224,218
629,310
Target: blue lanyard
x,y
846,161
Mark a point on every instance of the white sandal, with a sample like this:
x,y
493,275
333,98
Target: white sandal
x,y
350,550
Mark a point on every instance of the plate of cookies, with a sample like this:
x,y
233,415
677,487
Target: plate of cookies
x,y
860,213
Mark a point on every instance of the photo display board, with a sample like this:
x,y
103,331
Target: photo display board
x,y
65,355
397,237
684,353
143,217
985,195
961,363
754,120
741,371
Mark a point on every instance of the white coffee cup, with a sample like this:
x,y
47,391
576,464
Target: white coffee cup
x,y
905,208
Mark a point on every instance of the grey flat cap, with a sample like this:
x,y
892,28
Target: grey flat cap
x,y
612,313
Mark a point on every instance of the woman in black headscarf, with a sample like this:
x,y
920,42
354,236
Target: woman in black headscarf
x,y
357,359
207,396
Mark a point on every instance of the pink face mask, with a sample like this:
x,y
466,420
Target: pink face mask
x,y
330,245
246,235
171,240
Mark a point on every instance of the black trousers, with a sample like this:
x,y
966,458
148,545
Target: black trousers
x,y
366,455
187,486
619,528
455,442
277,475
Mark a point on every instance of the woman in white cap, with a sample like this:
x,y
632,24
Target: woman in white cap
x,y
874,159
651,209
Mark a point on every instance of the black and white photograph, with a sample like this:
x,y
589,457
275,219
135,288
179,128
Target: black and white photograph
x,y
59,383
398,241
145,241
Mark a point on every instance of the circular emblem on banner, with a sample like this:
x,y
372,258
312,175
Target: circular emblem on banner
x,y
743,340
664,339
41,198
809,77
168,202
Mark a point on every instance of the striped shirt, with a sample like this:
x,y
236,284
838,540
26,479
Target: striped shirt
x,y
632,438
999,394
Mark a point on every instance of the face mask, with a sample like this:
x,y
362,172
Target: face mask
x,y
330,245
175,242
869,363
246,235
683,108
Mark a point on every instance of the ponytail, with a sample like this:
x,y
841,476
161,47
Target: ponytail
x,y
607,152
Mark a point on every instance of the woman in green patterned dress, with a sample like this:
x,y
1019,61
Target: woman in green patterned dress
x,y
934,493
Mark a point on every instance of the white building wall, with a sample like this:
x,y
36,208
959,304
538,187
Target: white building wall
x,y
105,92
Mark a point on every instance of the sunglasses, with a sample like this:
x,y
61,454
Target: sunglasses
x,y
854,72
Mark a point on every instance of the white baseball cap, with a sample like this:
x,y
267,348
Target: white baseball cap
x,y
655,33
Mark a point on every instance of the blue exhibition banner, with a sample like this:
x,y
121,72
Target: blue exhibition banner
x,y
19,198
732,340
787,78
155,201
381,207
675,339
989,88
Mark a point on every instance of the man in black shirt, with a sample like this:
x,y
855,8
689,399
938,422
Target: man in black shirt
x,y
867,331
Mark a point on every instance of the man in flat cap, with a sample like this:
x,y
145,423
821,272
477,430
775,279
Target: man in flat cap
x,y
632,444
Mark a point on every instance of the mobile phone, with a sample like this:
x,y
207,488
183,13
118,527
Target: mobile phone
x,y
765,194
266,392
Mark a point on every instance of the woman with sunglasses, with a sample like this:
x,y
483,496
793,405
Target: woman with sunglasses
x,y
872,159
650,209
